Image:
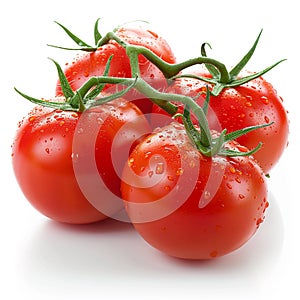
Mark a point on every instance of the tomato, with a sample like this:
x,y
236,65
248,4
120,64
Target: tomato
x,y
188,205
90,64
53,155
250,104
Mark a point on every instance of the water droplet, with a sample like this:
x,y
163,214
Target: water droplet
x,y
206,194
259,221
229,185
80,130
74,157
147,154
170,178
265,100
99,120
160,167
179,171
238,180
150,174
248,104
192,164
167,188
31,118
241,148
232,170
130,161
213,253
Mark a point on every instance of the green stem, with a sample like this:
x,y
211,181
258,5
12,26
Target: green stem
x,y
169,70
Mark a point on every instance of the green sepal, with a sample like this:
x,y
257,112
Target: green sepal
x,y
238,133
234,153
97,34
51,104
83,46
98,89
238,68
64,83
111,97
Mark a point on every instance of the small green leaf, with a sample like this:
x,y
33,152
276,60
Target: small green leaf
x,y
233,153
109,98
97,35
246,79
65,86
238,133
51,104
212,70
76,39
237,69
97,90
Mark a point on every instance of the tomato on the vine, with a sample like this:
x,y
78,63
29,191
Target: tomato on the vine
x,y
188,205
93,63
255,102
44,160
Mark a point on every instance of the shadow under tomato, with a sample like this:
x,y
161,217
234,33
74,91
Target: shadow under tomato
x,y
111,253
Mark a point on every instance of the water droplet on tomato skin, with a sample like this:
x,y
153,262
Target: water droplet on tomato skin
x,y
238,180
267,119
232,170
265,100
259,221
31,119
150,174
213,253
80,130
229,185
130,161
159,169
179,171
147,154
170,178
206,194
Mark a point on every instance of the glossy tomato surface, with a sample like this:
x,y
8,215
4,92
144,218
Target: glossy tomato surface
x,y
188,205
251,104
88,64
54,158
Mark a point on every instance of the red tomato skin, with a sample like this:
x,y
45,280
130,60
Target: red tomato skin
x,y
86,65
253,103
42,158
228,220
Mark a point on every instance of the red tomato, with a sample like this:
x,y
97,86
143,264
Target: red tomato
x,y
51,146
253,103
188,205
91,64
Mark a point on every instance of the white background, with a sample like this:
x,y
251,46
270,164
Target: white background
x,y
41,259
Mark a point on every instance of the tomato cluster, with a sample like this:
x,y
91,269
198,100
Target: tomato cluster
x,y
129,135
